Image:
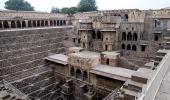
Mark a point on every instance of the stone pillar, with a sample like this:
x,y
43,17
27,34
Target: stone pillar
x,y
21,23
48,22
31,23
26,22
82,91
90,94
9,24
2,25
67,90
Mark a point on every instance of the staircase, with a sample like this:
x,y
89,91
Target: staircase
x,y
136,85
8,92
167,42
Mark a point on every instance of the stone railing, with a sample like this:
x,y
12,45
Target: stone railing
x,y
155,82
113,94
15,90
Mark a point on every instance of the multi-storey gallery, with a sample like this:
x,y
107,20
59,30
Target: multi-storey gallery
x,y
100,55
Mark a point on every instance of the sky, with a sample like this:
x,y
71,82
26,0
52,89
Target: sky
x,y
46,5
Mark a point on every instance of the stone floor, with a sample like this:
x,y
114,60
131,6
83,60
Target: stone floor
x,y
164,90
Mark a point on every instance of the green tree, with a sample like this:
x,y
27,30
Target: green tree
x,y
55,10
87,5
65,10
72,10
19,5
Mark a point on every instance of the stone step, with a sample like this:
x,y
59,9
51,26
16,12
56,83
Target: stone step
x,y
156,63
135,86
142,75
158,58
167,38
129,94
167,42
149,65
167,47
162,52
5,95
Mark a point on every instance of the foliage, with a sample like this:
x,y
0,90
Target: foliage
x,y
70,10
87,5
55,10
19,5
65,10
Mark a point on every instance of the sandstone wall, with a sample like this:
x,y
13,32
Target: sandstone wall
x,y
29,15
22,51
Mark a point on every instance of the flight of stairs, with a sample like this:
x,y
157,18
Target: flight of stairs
x,y
7,94
137,83
167,42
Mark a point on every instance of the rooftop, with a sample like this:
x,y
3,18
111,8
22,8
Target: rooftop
x,y
113,53
86,54
112,72
58,58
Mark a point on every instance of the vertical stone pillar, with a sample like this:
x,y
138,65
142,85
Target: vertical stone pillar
x,y
21,23
48,22
31,23
67,90
9,24
2,25
26,22
90,94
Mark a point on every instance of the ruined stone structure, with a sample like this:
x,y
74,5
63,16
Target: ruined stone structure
x,y
14,19
119,55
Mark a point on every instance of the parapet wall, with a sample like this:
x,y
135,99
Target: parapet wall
x,y
30,15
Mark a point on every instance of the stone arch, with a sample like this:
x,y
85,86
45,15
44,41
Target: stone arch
x,y
42,23
61,23
58,22
126,17
107,62
0,24
78,74
13,25
38,23
46,23
23,24
29,24
34,24
51,23
143,47
123,46
135,37
156,38
6,25
128,47
134,48
64,22
93,34
72,72
99,36
124,36
54,22
106,47
85,76
79,40
84,45
129,36
18,24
